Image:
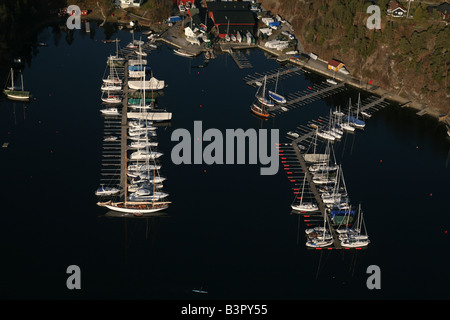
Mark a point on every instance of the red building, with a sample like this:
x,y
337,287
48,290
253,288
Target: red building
x,y
231,17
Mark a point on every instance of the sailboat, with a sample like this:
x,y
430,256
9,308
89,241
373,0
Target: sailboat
x,y
354,121
324,239
113,77
116,60
274,95
345,125
227,36
262,97
14,94
140,52
259,111
354,238
304,206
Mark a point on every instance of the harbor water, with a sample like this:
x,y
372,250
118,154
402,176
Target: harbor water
x,y
229,230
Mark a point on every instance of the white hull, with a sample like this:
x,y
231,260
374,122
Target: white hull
x,y
183,53
326,135
132,210
309,207
112,81
111,88
110,112
153,116
331,81
348,127
136,74
137,62
155,196
265,101
152,84
106,192
143,144
354,243
112,100
143,167
319,243
144,156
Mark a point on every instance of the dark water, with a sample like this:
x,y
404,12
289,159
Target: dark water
x,y
230,230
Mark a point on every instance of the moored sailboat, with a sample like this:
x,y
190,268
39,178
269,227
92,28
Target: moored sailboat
x,y
12,92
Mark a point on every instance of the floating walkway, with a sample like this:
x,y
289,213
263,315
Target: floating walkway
x,y
257,78
301,98
240,59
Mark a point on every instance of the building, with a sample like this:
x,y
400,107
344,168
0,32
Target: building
x,y
395,9
335,65
231,17
130,3
443,9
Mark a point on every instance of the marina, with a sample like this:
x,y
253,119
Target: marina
x,y
227,230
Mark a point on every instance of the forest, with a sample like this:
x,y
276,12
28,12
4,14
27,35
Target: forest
x,y
408,56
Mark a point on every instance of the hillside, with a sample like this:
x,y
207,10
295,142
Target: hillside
x,y
410,57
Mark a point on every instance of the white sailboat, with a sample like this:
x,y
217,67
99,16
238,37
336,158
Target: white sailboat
x,y
304,206
262,97
345,125
325,135
113,77
323,240
354,238
110,87
111,98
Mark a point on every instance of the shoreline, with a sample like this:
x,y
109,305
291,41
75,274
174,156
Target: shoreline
x,y
319,66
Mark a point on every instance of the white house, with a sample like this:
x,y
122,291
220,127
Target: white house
x,y
395,9
130,3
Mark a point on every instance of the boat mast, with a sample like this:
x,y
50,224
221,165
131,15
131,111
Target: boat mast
x,y
12,79
276,83
303,188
